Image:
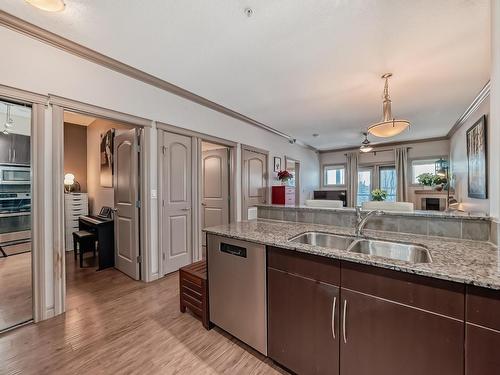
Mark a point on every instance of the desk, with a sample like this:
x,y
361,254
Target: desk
x,y
105,232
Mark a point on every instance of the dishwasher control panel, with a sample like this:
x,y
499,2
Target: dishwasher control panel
x,y
233,250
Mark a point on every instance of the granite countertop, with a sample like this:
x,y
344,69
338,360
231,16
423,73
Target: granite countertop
x,y
464,261
415,213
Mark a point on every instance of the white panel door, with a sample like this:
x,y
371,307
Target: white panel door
x,y
176,194
254,179
215,188
126,179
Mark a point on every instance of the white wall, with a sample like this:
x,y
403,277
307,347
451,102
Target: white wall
x,y
494,126
458,159
34,66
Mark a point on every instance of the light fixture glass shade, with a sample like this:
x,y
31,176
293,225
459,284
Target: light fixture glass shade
x,y
389,128
69,179
48,5
365,148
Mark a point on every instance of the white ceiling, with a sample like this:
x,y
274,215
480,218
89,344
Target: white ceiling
x,y
78,118
302,67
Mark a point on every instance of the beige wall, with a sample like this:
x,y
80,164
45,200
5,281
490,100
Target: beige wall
x,y
98,196
417,151
75,153
458,158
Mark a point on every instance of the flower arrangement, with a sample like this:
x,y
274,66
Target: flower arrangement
x,y
378,195
426,179
284,176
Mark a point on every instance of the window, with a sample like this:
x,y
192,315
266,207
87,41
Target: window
x,y
334,175
387,182
423,166
364,185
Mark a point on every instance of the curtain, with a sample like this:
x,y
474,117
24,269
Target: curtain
x,y
401,157
352,175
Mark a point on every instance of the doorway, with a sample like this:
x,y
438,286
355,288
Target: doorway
x,y
215,187
101,200
196,179
293,166
16,291
254,178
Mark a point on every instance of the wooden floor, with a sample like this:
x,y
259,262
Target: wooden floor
x,y
114,325
16,304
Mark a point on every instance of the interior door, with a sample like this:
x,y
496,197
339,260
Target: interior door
x,y
126,194
177,193
254,179
215,188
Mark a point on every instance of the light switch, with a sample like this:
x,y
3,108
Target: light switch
x,y
154,194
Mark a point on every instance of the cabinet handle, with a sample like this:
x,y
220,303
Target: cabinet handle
x,y
14,157
10,155
343,321
333,316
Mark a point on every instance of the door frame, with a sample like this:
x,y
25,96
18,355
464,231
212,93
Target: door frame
x,y
40,217
59,105
196,139
297,180
244,210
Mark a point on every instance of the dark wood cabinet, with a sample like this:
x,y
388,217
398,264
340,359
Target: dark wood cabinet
x,y
387,338
303,312
482,333
21,152
303,324
15,149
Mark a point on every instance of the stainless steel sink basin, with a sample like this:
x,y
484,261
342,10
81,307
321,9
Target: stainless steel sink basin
x,y
393,250
332,241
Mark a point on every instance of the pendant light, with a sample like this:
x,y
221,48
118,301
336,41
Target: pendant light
x,y
365,145
389,126
48,5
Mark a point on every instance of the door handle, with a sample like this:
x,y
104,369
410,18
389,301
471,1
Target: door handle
x,y
203,204
114,209
343,322
333,316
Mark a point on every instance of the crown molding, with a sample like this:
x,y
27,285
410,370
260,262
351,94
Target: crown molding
x,y
19,25
385,145
480,97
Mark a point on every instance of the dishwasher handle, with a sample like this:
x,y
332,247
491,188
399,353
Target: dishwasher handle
x,y
233,250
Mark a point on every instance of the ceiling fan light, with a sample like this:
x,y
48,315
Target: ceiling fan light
x,y
387,129
365,148
48,5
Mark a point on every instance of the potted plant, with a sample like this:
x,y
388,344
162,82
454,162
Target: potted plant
x,y
426,179
284,176
378,195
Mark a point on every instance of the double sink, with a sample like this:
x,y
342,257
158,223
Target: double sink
x,y
385,249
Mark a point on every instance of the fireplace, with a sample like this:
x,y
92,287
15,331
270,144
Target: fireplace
x,y
432,204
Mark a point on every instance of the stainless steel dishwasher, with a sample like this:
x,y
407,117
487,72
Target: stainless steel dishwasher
x,y
237,289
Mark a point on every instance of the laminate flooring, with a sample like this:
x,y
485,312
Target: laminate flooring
x,y
115,325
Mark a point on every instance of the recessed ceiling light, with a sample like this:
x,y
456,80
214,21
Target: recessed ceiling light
x,y
48,5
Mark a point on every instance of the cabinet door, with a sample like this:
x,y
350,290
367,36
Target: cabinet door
x,y
387,338
21,149
5,148
482,346
303,330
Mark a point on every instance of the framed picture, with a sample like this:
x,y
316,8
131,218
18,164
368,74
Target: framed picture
x,y
106,158
277,164
477,160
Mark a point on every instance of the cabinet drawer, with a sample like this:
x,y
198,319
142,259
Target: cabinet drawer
x,y
439,296
483,307
306,265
